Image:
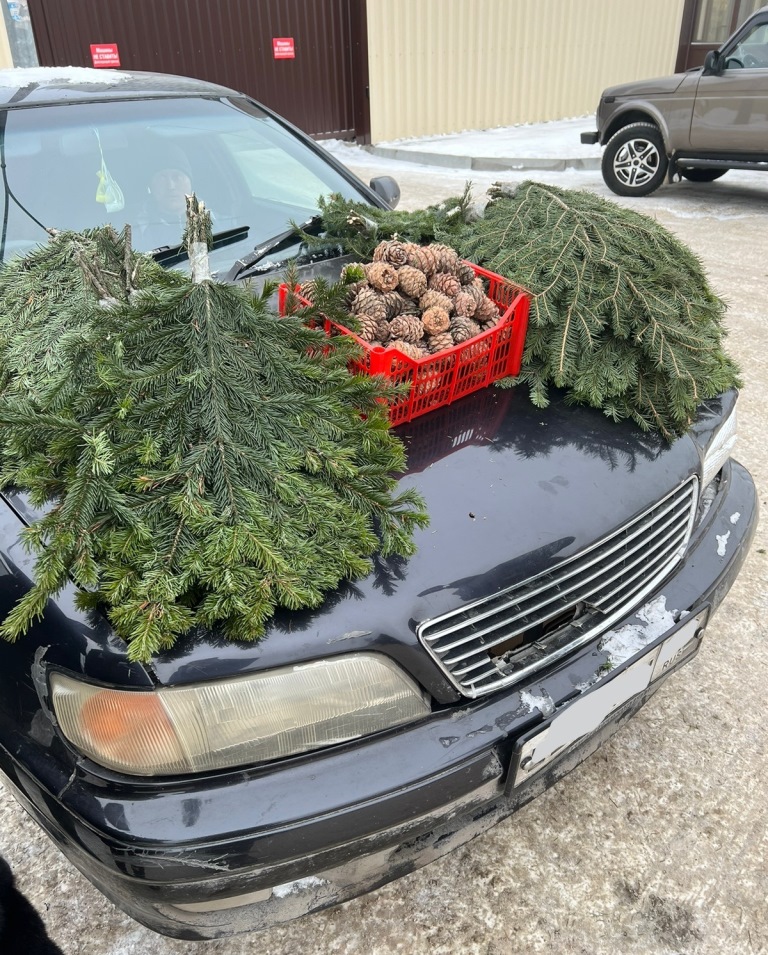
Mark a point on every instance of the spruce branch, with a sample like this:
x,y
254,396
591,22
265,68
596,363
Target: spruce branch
x,y
602,275
204,461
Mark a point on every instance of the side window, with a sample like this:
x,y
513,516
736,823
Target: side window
x,y
751,52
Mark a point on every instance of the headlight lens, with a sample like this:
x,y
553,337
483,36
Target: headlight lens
x,y
719,449
248,719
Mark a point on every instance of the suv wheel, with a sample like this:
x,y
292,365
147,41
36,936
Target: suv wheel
x,y
702,175
635,161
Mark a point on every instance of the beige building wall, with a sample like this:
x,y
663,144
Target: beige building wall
x,y
440,66
6,60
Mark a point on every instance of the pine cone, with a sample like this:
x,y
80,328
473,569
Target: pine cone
x,y
487,311
421,257
464,305
368,327
307,291
382,276
446,283
408,328
447,258
410,307
392,251
435,320
487,323
477,292
407,348
462,329
436,343
435,299
413,282
382,330
369,302
394,303
465,273
351,290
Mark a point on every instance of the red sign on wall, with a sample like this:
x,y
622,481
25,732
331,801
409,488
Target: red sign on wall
x,y
105,55
283,48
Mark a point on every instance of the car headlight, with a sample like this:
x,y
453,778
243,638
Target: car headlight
x,y
247,719
720,448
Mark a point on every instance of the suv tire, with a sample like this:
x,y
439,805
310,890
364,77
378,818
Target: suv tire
x,y
635,160
702,175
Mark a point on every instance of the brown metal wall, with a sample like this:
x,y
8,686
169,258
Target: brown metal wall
x,y
323,90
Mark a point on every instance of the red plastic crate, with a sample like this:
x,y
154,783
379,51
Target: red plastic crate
x,y
437,380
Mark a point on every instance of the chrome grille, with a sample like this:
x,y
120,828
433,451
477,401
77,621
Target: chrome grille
x,y
501,639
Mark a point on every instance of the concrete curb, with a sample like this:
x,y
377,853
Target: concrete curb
x,y
481,163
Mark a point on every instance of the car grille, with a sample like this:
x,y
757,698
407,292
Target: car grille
x,y
501,639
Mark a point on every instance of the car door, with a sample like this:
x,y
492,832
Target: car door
x,y
730,113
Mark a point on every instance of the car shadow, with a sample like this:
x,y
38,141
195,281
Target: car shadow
x,y
733,196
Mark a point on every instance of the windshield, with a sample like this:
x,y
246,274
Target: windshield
x,y
76,166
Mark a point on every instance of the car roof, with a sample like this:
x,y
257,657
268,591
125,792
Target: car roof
x,y
42,85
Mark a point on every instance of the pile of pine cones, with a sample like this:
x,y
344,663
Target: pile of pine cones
x,y
418,299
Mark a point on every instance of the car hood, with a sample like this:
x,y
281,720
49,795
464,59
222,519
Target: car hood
x,y
511,490
653,87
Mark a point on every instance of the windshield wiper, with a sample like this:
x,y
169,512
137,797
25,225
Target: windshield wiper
x,y
169,255
282,240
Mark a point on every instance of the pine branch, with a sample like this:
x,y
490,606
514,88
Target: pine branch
x,y
213,462
360,227
602,275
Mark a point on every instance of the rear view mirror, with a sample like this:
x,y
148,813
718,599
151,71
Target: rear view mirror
x,y
713,63
386,188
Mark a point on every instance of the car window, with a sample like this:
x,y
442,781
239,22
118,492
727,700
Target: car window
x,y
752,50
268,170
76,166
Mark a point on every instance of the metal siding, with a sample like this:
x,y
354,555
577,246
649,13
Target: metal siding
x,y
224,41
441,66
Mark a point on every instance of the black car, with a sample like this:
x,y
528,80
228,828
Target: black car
x,y
570,567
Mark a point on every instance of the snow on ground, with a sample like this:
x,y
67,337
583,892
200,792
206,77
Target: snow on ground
x,y
737,195
558,139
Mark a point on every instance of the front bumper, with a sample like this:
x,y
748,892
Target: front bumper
x,y
212,856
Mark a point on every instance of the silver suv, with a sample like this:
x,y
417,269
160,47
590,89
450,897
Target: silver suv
x,y
695,125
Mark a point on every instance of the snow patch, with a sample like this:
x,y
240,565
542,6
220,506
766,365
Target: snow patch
x,y
28,76
289,888
625,642
541,701
722,540
734,518
556,138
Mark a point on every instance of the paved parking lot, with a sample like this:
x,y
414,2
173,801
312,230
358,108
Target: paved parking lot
x,y
656,845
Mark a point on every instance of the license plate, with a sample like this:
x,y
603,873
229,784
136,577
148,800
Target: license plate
x,y
584,715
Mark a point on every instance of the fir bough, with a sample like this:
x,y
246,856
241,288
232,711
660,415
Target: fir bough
x,y
622,314
360,227
204,460
46,297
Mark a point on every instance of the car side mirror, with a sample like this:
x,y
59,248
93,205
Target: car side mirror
x,y
386,188
714,62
